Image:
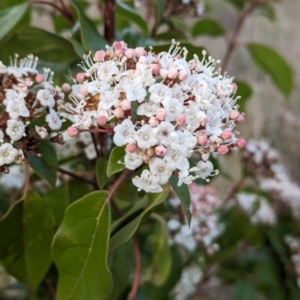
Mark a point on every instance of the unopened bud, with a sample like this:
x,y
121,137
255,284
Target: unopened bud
x,y
119,112
66,87
99,55
202,140
160,150
83,90
39,78
172,73
72,131
161,114
181,119
234,114
130,53
226,134
241,143
126,105
234,87
101,120
240,119
223,149
131,147
80,77
153,122
154,68
182,75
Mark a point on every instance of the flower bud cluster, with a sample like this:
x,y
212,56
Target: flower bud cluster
x,y
204,227
25,96
294,245
162,109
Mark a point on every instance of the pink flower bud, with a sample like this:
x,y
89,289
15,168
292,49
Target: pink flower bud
x,y
241,143
28,82
181,119
172,73
226,134
66,87
154,68
130,53
39,78
240,119
101,120
118,45
80,77
119,112
161,114
99,55
163,73
183,74
72,131
83,90
153,122
234,114
202,140
140,51
131,147
234,87
223,149
160,150
126,105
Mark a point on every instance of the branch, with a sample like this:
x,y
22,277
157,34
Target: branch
x,y
109,20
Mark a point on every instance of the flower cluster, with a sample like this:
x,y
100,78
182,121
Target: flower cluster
x,y
25,96
294,245
264,162
204,227
161,108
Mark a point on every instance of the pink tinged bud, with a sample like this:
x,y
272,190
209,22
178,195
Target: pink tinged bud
x,y
28,82
183,74
181,119
80,77
241,143
234,114
226,134
101,120
234,87
119,112
72,131
39,78
160,150
223,149
161,114
203,121
118,45
131,147
83,90
99,56
130,53
163,73
202,140
140,51
153,122
66,87
172,73
154,68
126,105
240,119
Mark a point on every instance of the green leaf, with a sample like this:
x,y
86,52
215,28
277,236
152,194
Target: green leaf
x,y
47,46
274,64
91,38
245,91
125,11
80,249
101,167
207,27
239,4
9,17
267,10
26,234
46,165
117,154
183,194
160,8
124,234
244,290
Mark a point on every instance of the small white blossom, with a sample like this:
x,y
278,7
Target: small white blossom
x,y
147,182
15,129
53,120
7,154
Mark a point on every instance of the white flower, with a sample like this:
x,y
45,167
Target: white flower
x,y
106,70
41,131
107,99
14,179
124,133
46,98
145,137
173,108
194,115
1,135
53,120
147,109
147,182
7,154
162,168
15,129
16,108
166,133
135,91
205,168
133,160
159,92
90,151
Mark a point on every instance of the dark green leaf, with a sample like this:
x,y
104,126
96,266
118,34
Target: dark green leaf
x,y
9,17
77,47
244,290
274,64
183,194
239,4
117,155
169,35
125,11
245,91
160,8
46,165
47,46
267,10
80,249
91,38
26,235
207,27
9,3
126,232
101,167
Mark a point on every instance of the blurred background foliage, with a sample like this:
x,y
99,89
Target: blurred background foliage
x,y
256,43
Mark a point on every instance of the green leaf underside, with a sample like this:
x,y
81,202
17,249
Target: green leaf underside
x,y
9,17
183,194
46,166
124,234
274,64
91,38
245,91
116,155
80,249
207,27
26,235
